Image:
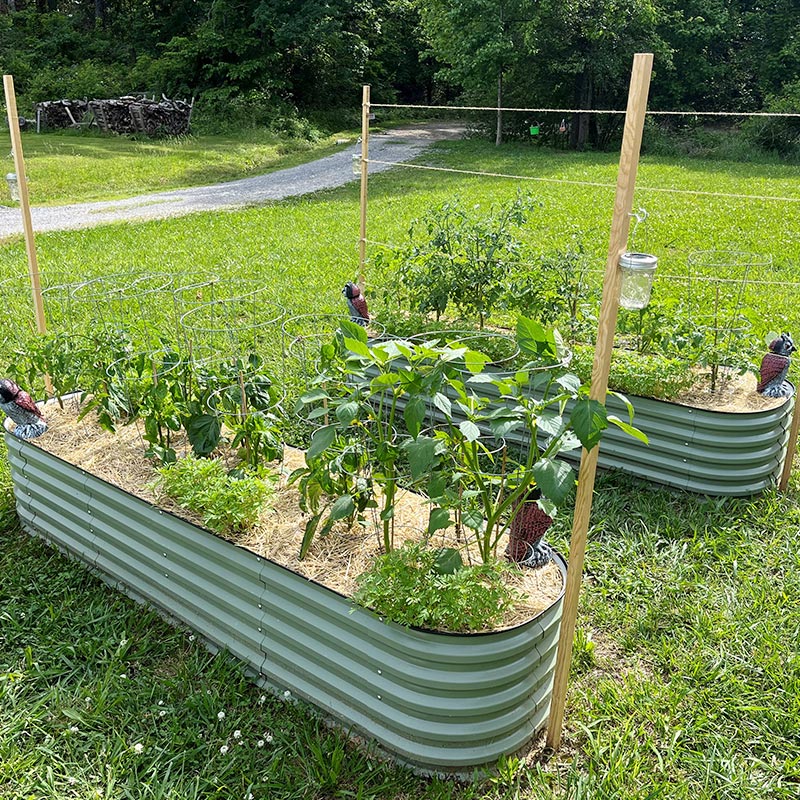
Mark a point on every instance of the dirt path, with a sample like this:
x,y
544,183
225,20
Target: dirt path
x,y
395,146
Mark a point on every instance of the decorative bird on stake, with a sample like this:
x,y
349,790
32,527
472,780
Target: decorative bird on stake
x,y
356,303
775,366
19,406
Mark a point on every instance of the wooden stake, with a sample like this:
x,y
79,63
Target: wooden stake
x,y
24,201
791,447
620,227
25,207
362,242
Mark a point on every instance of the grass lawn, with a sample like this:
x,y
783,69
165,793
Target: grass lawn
x,y
69,167
686,678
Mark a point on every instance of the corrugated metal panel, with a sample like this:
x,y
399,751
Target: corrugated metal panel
x,y
704,451
441,702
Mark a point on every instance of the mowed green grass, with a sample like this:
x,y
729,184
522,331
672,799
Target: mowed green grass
x,y
68,167
686,679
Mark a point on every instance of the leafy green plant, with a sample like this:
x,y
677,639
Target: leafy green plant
x,y
642,375
334,485
458,256
491,480
416,585
229,503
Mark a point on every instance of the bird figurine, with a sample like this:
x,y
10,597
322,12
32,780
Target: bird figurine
x,y
18,405
775,366
356,303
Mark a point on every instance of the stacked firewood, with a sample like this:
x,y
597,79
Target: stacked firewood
x,y
129,114
60,114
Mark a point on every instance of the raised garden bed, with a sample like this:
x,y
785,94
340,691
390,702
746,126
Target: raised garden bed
x,y
441,702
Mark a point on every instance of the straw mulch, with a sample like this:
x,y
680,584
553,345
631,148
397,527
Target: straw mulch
x,y
334,560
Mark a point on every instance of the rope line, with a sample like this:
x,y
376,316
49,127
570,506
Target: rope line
x,y
593,184
594,111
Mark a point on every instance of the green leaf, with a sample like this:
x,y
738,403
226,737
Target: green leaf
x,y
414,414
358,347
321,441
448,561
473,518
203,432
309,533
347,412
353,330
342,508
439,520
589,420
533,339
475,361
554,478
442,402
469,430
629,429
422,455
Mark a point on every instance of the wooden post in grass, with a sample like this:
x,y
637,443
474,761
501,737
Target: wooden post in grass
x,y
620,226
25,207
24,202
791,447
362,242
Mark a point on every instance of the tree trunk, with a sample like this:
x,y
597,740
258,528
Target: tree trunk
x,y
498,139
579,134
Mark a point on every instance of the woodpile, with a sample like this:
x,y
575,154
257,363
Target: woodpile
x,y
129,114
60,114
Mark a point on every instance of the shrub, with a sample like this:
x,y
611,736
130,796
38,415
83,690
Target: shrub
x,y
229,503
412,585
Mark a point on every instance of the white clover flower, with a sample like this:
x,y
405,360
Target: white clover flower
x,y
87,700
223,749
287,694
160,703
262,699
123,642
221,715
237,734
191,637
138,747
123,676
260,743
161,713
73,728
268,737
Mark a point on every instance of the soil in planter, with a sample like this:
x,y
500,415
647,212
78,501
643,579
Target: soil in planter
x,y
334,560
734,392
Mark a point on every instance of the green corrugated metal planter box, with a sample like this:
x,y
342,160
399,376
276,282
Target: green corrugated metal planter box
x,y
441,702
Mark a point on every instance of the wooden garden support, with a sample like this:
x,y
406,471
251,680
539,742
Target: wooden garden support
x,y
620,227
362,242
24,202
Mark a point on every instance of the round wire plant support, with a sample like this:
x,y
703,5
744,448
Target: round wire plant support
x,y
302,337
128,301
717,295
245,323
501,348
131,377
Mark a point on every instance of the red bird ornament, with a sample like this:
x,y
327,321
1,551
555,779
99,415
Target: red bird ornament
x,y
18,405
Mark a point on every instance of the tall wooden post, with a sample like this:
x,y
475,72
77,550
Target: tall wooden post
x,y
24,202
620,227
362,242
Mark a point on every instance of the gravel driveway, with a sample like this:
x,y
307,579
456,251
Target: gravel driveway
x,y
401,144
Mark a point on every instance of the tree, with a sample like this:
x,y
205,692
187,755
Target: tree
x,y
479,42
